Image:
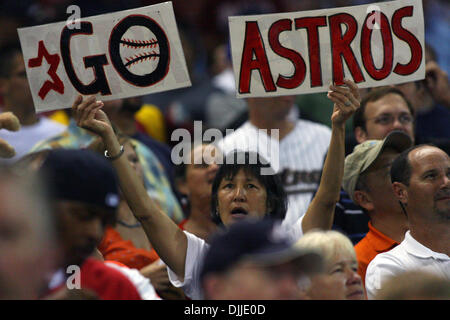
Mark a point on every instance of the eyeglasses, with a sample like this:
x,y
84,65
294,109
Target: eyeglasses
x,y
388,119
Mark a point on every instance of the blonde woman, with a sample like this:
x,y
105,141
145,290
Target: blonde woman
x,y
340,280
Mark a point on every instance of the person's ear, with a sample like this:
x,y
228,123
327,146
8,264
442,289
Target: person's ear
x,y
363,199
401,192
360,134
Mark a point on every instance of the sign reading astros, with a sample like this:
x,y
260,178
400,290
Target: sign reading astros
x,y
303,52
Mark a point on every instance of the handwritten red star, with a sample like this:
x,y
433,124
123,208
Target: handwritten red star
x,y
53,59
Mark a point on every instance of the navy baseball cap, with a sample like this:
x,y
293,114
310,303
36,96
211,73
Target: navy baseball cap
x,y
261,242
83,176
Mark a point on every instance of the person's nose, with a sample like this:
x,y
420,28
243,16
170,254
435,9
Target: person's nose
x,y
239,193
353,277
397,125
446,184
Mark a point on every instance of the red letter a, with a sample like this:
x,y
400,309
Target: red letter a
x,y
254,46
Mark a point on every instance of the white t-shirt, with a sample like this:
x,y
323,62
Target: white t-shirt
x,y
195,254
298,158
23,140
408,255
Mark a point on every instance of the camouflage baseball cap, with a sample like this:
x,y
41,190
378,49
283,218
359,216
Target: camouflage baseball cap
x,y
366,153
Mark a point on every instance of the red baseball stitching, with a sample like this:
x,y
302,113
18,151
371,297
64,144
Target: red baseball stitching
x,y
141,57
138,44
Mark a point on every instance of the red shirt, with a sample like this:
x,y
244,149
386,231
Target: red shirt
x,y
106,282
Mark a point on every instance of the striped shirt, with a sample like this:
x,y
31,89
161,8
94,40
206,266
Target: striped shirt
x,y
297,158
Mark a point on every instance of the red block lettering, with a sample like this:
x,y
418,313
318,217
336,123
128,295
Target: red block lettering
x,y
340,47
366,48
410,39
312,25
254,46
299,64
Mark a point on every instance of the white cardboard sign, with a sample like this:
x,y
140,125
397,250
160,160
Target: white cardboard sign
x,y
117,55
303,52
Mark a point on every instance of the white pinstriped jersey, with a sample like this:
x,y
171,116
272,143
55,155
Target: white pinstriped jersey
x,y
299,160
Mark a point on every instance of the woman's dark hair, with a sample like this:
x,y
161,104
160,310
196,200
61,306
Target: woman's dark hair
x,y
253,164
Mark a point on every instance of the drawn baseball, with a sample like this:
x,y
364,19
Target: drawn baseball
x,y
139,50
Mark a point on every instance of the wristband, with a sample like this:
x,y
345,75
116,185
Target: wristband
x,y
107,156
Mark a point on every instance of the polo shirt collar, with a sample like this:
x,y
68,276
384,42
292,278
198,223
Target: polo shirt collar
x,y
415,248
380,241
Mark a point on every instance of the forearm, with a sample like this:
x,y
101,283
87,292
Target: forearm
x,y
132,188
320,213
166,238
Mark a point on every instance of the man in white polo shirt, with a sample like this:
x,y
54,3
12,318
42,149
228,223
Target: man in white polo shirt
x,y
421,182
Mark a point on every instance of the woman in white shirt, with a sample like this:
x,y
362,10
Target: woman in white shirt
x,y
242,194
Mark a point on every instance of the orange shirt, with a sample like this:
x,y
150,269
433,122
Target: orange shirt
x,y
113,247
372,244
